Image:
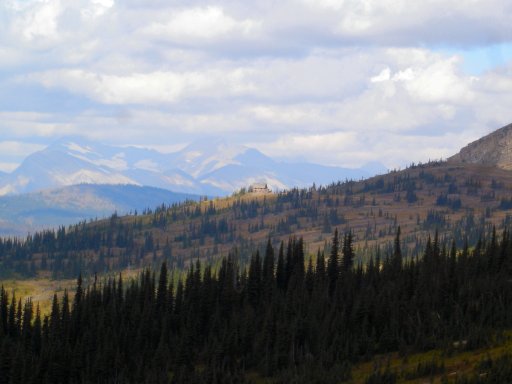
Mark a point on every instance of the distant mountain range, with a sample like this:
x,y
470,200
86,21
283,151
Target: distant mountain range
x,y
205,167
75,179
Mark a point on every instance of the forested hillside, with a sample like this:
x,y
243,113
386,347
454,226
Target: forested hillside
x,y
462,202
281,321
303,286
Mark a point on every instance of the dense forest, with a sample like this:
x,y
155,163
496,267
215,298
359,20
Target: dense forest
x,y
286,318
461,202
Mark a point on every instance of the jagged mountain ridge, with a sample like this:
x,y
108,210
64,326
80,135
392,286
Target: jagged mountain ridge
x,y
494,150
208,167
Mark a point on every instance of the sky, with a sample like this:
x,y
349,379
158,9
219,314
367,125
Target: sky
x,y
338,82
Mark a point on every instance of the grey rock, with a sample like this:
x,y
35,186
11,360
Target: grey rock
x,y
493,150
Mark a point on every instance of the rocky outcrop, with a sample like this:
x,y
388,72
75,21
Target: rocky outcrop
x,y
494,149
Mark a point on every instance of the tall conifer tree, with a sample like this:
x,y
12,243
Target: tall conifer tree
x,y
332,265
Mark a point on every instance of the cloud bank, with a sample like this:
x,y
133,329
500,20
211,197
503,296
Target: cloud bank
x,y
339,82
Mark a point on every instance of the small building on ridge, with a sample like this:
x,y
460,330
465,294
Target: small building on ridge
x,y
260,188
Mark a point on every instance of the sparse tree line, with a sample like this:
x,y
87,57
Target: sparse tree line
x,y
173,233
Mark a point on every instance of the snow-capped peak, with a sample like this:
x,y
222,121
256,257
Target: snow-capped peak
x,y
207,166
74,147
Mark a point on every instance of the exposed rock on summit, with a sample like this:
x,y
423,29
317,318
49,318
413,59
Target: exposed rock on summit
x,y
494,149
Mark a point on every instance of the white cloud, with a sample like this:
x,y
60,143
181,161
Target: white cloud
x,y
147,88
31,124
344,148
439,82
97,8
15,152
405,22
435,79
362,75
199,23
330,142
384,75
19,148
404,75
40,20
418,91
497,82
10,57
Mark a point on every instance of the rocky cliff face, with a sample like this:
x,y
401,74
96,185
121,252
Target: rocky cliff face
x,y
494,149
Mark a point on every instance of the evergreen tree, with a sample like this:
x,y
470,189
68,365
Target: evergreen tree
x,y
280,269
397,253
268,279
161,295
320,267
219,327
332,265
348,252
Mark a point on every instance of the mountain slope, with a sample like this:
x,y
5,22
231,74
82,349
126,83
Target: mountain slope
x,y
24,213
207,167
252,166
460,201
494,149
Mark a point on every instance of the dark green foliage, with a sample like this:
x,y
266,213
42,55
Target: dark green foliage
x,y
505,204
410,195
435,219
304,323
347,252
454,203
333,264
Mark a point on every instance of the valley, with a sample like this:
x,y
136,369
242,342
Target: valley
x,y
420,235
